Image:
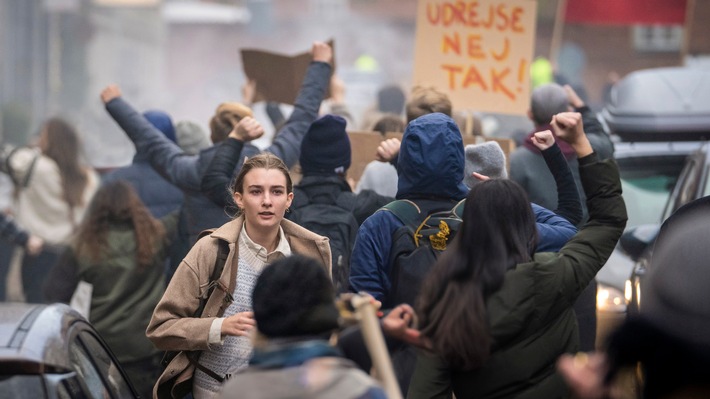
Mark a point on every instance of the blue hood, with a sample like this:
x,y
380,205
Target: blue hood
x,y
431,159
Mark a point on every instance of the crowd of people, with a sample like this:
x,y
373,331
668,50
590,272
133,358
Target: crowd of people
x,y
213,274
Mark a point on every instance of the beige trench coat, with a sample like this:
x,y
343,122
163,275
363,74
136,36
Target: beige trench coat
x,y
172,327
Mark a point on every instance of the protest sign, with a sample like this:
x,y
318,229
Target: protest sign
x,y
278,77
478,52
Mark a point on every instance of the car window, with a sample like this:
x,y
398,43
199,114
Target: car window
x,y
646,185
81,361
686,188
645,198
108,368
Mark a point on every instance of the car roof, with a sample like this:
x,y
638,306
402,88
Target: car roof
x,y
33,337
660,103
638,149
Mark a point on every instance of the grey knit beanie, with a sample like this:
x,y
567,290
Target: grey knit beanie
x,y
191,137
485,158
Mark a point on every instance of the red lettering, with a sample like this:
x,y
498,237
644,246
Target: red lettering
x,y
497,82
452,70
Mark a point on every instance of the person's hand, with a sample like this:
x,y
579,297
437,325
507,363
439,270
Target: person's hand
x,y
584,374
34,245
572,97
337,90
398,324
110,92
247,129
543,140
322,52
238,325
352,183
249,92
480,177
568,127
388,150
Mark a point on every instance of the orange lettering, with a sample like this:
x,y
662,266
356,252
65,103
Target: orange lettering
x,y
433,18
452,70
497,82
473,77
489,23
474,47
505,53
517,27
451,43
502,18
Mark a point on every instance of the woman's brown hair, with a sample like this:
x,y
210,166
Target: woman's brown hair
x,y
117,204
265,160
63,147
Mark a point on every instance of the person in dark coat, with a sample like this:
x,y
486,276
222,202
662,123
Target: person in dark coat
x,y
527,168
157,194
497,315
186,171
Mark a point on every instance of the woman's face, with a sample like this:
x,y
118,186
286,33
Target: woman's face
x,y
264,199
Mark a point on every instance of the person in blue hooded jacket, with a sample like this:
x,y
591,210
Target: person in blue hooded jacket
x,y
430,166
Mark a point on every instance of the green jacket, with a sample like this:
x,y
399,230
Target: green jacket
x,y
123,297
531,316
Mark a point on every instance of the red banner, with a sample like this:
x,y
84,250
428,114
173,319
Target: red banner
x,y
626,12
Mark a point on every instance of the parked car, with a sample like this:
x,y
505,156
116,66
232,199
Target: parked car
x,y
51,351
658,117
638,242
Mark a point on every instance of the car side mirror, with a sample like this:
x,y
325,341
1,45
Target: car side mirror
x,y
635,240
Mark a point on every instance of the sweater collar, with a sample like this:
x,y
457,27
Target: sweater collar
x,y
283,249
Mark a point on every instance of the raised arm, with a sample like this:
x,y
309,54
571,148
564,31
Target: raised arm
x,y
587,251
569,204
221,169
166,157
287,144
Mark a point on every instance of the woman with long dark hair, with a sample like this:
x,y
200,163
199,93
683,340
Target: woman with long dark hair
x,y
120,249
53,189
497,315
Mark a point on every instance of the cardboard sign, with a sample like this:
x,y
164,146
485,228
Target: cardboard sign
x,y
478,52
278,77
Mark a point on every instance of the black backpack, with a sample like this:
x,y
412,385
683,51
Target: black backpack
x,y
337,222
416,246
